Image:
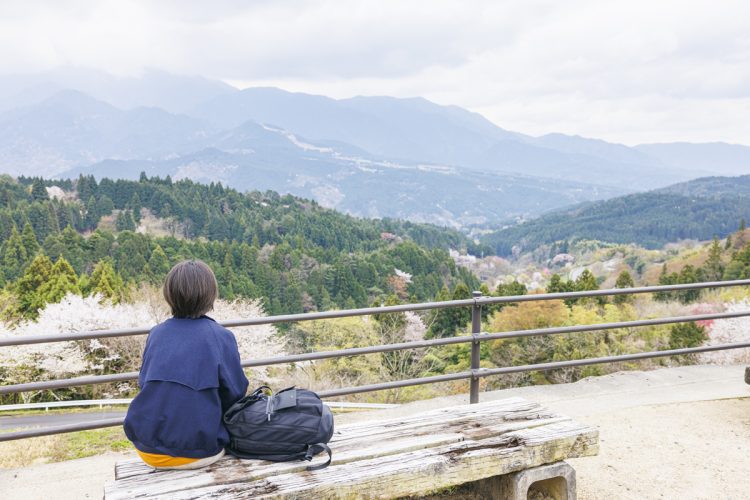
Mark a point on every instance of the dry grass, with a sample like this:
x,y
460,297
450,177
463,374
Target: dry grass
x,y
60,447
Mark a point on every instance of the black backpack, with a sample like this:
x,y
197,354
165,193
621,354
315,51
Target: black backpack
x,y
292,424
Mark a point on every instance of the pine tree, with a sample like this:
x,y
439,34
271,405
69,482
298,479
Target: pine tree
x,y
158,263
688,274
125,221
687,335
29,285
92,215
742,224
62,280
713,269
106,282
38,191
666,279
728,244
624,280
586,282
104,206
29,240
135,206
14,256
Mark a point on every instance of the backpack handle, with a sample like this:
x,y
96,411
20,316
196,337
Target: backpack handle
x,y
314,449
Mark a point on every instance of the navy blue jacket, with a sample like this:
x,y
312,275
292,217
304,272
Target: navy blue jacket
x,y
190,376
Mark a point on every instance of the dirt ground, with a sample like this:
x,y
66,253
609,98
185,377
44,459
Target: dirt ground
x,y
675,451
677,433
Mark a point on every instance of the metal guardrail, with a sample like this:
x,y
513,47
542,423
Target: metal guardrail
x,y
101,403
475,338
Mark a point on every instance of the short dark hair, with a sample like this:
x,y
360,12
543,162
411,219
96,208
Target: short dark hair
x,y
190,289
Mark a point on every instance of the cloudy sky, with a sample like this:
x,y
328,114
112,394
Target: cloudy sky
x,y
636,71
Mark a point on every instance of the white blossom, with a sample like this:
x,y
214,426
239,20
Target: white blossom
x,y
730,330
403,275
74,314
415,328
254,342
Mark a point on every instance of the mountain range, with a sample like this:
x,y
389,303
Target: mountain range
x,y
699,209
368,156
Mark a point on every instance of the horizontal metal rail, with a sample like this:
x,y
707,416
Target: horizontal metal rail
x,y
61,429
11,340
468,374
486,372
65,404
124,402
357,351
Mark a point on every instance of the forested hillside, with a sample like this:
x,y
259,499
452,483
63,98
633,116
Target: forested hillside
x,y
80,236
699,209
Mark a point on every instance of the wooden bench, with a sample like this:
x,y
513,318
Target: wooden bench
x,y
413,455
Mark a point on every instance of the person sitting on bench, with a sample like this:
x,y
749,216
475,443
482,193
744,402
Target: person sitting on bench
x,y
191,374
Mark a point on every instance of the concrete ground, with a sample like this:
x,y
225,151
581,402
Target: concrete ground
x,y
672,433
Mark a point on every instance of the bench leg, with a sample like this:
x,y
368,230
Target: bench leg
x,y
556,481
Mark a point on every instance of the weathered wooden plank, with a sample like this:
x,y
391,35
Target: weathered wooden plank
x,y
417,471
231,469
360,434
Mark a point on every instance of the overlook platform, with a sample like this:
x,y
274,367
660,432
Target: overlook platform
x,y
671,433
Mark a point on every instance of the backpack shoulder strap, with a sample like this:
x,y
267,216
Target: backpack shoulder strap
x,y
314,449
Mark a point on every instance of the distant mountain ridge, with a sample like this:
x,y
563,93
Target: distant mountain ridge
x,y
248,157
171,124
698,209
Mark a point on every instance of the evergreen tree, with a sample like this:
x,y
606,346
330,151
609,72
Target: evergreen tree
x,y
158,263
135,206
687,335
106,282
62,280
742,224
556,285
92,215
728,244
713,269
104,206
29,240
510,290
39,191
665,278
735,270
448,321
14,256
29,286
624,280
688,274
585,282
125,221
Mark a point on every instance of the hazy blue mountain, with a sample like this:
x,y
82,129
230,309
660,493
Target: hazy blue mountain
x,y
173,93
71,128
710,157
419,130
412,129
575,144
507,156
255,156
698,209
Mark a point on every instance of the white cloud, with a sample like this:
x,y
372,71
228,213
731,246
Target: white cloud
x,y
631,71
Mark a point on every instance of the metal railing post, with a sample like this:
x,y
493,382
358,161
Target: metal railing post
x,y
476,327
